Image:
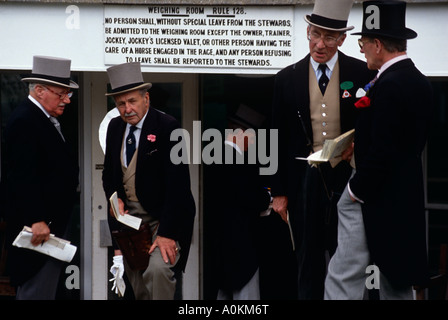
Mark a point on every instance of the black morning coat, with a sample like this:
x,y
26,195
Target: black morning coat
x,y
162,187
238,196
389,139
291,96
40,181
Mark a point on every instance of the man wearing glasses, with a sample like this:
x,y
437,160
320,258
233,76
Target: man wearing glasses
x,y
382,211
314,101
40,177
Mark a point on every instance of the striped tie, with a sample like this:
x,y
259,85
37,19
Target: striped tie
x,y
57,126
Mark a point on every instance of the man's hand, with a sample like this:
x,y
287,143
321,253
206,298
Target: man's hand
x,y
120,209
348,153
280,205
167,247
41,233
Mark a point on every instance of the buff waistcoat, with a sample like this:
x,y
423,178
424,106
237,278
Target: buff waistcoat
x,y
325,110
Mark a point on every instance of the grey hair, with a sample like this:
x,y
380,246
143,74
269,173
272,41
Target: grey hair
x,y
32,86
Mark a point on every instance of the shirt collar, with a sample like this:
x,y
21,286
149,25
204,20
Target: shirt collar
x,y
391,62
330,63
139,125
39,105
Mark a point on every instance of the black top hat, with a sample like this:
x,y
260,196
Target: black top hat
x,y
385,18
247,118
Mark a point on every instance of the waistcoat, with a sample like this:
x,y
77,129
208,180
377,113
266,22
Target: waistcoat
x,y
132,201
325,110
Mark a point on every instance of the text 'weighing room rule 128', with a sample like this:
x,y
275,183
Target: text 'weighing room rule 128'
x,y
170,36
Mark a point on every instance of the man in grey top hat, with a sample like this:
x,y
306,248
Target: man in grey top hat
x,y
41,176
382,229
314,101
149,185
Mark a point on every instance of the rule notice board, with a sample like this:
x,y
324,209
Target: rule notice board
x,y
255,37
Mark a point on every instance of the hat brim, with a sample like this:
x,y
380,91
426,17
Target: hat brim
x,y
72,85
307,18
142,86
404,34
246,124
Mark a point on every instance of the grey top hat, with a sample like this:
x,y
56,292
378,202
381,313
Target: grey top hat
x,y
385,18
331,14
51,70
126,77
247,117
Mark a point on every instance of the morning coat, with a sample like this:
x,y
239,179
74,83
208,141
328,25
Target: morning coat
x,y
238,196
162,187
291,96
40,180
389,139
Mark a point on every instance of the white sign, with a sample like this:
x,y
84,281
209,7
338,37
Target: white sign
x,y
199,36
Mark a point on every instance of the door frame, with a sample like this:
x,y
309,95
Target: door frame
x,y
94,237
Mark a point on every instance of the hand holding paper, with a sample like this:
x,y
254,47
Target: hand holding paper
x,y
121,208
332,148
127,219
55,247
41,233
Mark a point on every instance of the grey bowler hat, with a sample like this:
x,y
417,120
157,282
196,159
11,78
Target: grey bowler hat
x,y
51,70
331,14
126,77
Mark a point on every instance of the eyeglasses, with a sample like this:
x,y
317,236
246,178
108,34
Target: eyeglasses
x,y
62,96
329,41
362,43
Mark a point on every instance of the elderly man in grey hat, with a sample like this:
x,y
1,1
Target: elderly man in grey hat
x,y
40,176
314,101
149,185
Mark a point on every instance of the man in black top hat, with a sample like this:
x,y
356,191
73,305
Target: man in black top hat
x,y
137,165
314,101
381,213
239,198
41,176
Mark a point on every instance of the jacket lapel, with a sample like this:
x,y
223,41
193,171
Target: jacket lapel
x,y
52,134
302,97
406,63
149,132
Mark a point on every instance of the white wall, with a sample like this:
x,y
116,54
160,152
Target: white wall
x,y
45,29
428,50
39,28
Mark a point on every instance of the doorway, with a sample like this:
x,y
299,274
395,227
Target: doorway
x,y
175,94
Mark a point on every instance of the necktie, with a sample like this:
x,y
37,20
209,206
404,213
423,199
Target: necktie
x,y
130,144
370,84
57,126
323,80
